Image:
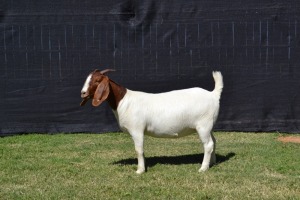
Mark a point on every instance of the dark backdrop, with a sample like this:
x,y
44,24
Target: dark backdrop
x,y
47,48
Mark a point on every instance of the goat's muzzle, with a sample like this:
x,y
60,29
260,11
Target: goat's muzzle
x,y
85,97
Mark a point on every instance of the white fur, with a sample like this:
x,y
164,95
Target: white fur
x,y
86,84
170,115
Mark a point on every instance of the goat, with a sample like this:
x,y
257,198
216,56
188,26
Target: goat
x,y
166,115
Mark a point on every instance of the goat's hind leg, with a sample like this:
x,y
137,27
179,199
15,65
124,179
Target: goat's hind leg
x,y
213,158
208,141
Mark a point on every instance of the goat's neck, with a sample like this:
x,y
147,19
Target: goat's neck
x,y
117,92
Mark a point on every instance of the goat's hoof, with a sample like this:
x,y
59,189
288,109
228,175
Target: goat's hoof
x,y
213,162
140,171
203,169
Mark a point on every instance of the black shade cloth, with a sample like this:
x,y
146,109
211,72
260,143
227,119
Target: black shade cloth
x,y
47,48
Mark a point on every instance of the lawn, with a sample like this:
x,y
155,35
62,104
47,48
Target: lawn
x,y
102,166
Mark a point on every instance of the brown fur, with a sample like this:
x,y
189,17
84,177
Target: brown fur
x,y
101,88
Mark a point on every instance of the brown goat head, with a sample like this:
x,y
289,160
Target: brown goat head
x,y
96,87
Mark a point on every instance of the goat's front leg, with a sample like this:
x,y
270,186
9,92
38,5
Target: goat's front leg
x,y
138,139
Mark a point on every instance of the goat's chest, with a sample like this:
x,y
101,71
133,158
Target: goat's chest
x,y
123,122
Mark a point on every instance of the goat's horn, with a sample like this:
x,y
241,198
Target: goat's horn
x,y
107,70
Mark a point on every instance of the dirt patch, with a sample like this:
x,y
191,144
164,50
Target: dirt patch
x,y
292,139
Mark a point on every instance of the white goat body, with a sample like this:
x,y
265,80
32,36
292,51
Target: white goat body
x,y
171,114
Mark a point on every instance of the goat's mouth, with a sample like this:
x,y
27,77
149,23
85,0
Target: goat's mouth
x,y
84,100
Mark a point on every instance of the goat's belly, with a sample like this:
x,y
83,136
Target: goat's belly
x,y
181,133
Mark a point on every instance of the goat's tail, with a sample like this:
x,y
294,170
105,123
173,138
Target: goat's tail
x,y
218,83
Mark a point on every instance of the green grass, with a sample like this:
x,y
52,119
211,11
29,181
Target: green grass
x,y
91,166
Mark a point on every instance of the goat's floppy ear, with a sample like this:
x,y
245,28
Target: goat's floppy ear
x,y
101,92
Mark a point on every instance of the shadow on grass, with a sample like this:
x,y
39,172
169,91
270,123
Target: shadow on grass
x,y
174,160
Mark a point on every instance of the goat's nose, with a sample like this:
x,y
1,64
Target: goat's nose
x,y
83,94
